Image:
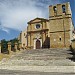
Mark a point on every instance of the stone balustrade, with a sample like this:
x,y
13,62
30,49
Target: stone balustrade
x,y
20,45
9,47
0,47
16,46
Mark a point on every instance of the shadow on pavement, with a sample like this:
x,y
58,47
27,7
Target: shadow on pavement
x,y
73,53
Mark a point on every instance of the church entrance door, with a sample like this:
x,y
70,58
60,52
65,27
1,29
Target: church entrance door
x,y
38,44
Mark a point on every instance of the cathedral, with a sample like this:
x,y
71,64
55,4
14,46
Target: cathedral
x,y
55,32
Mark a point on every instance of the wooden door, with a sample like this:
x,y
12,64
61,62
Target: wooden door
x,y
38,44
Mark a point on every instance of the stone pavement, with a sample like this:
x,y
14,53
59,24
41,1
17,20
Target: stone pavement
x,y
41,60
11,72
63,69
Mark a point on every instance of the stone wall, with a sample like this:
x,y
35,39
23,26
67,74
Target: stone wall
x,y
59,9
24,38
58,40
60,26
34,34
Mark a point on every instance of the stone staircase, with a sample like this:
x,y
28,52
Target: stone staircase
x,y
41,57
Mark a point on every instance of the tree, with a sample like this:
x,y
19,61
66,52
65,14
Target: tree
x,y
4,46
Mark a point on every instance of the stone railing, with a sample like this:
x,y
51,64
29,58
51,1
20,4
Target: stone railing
x,y
17,46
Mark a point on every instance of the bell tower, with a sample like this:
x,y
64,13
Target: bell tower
x,y
60,24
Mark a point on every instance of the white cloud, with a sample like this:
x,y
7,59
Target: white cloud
x,y
16,13
5,29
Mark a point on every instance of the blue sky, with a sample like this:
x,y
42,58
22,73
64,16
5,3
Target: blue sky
x,y
14,14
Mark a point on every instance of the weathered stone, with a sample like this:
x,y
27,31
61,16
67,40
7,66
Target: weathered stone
x,y
61,26
20,45
53,33
9,47
16,46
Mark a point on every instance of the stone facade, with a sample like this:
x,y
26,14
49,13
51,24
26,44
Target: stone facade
x,y
37,32
23,39
55,32
9,47
61,27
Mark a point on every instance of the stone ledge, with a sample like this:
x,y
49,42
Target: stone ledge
x,y
63,69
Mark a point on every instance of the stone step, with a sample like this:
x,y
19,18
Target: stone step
x,y
41,57
46,51
45,55
52,49
39,63
33,70
42,54
28,54
49,50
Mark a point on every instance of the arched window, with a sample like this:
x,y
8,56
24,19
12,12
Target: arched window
x,y
55,9
63,8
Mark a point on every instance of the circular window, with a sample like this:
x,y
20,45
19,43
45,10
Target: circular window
x,y
37,26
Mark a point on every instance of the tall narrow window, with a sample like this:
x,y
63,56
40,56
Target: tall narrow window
x,y
24,34
60,39
55,9
63,8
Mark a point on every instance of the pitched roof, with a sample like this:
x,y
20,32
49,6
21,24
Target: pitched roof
x,y
38,19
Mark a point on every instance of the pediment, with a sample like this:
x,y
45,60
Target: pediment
x,y
37,20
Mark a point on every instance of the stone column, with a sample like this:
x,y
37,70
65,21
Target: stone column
x,y
20,45
16,46
24,46
9,47
0,47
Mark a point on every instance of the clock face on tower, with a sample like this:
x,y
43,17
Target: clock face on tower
x,y
37,26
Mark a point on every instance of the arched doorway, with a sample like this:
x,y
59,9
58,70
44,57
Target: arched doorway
x,y
38,44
